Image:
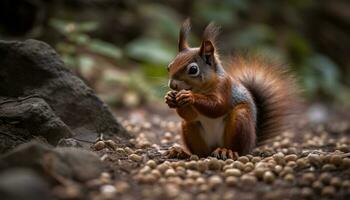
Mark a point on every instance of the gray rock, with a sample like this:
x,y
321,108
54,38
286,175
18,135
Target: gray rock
x,y
68,162
69,142
34,117
19,184
32,70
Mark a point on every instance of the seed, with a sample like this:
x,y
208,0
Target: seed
x,y
214,164
243,159
181,172
286,170
120,150
301,162
346,163
328,167
135,157
317,185
248,179
278,169
156,173
259,172
308,178
239,165
108,191
292,164
181,163
256,159
168,136
291,157
269,177
228,161
111,144
172,190
336,159
325,177
233,172
200,181
278,157
306,192
222,163
231,181
121,186
128,150
151,163
314,159
261,165
328,191
203,188
146,169
170,172
249,166
194,157
175,180
148,178
163,167
227,167
336,182
289,178
346,184
292,150
193,174
325,158
343,148
202,166
192,165
214,181
99,145
271,163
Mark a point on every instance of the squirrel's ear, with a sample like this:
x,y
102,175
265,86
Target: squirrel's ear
x,y
207,49
184,31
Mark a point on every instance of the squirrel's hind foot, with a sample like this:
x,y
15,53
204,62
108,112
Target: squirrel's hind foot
x,y
223,153
177,152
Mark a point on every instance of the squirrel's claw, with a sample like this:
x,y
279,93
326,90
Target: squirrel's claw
x,y
170,99
223,153
177,152
184,98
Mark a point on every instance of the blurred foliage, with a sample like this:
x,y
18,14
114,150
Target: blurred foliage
x,y
139,38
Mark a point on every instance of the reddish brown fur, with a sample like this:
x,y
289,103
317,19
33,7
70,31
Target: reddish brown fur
x,y
239,133
274,91
272,88
181,60
214,102
193,140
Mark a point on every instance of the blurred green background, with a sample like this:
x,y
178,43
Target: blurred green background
x,y
121,47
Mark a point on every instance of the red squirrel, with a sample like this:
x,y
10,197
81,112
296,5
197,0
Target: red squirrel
x,y
226,112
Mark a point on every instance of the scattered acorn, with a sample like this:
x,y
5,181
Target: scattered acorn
x,y
99,145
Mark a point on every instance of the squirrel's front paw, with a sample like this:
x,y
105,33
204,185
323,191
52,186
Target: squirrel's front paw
x,y
184,98
223,153
177,152
170,99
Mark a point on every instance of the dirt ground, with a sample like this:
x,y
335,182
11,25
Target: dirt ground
x,y
310,162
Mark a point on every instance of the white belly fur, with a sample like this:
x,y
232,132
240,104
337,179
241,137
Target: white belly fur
x,y
212,130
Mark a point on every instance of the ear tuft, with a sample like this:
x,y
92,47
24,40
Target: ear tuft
x,y
211,32
209,39
184,31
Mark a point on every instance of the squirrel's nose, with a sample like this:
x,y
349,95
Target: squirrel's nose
x,y
172,84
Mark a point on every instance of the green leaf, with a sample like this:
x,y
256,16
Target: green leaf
x,y
150,50
104,49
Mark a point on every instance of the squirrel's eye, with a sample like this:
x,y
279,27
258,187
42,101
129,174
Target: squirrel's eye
x,y
193,69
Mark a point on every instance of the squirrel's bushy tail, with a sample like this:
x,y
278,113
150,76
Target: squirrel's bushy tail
x,y
274,91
